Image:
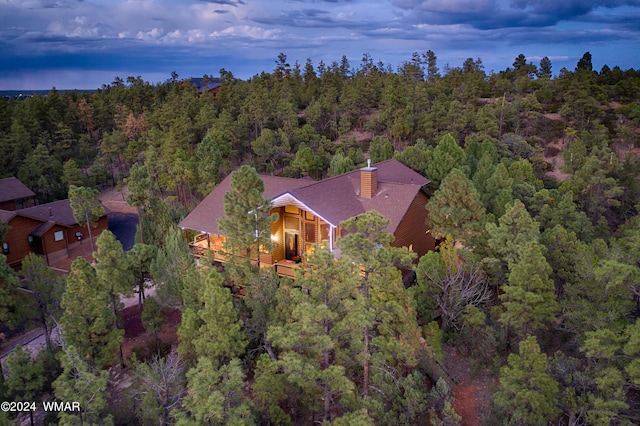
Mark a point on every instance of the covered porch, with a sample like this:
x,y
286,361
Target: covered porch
x,y
296,232
209,247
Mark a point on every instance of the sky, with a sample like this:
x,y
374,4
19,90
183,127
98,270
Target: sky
x,y
83,44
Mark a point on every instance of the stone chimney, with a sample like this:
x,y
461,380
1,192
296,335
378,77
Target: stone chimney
x,y
368,181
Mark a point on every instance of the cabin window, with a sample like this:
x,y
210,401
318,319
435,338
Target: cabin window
x,y
58,236
291,223
310,232
309,216
30,239
291,209
324,231
5,248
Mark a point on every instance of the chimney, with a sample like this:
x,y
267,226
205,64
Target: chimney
x,y
368,181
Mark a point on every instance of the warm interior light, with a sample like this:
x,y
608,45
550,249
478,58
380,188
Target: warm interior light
x,y
274,238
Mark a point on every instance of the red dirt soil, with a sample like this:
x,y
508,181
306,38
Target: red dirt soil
x,y
473,392
136,335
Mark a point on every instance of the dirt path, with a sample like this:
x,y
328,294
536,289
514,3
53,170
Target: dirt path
x,y
557,162
473,392
115,201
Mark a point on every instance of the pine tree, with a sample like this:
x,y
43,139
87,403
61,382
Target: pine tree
x,y
46,288
139,260
447,156
87,319
498,191
383,307
214,330
171,267
456,209
80,382
139,188
86,207
25,377
114,276
527,395
216,395
311,342
529,297
246,223
515,229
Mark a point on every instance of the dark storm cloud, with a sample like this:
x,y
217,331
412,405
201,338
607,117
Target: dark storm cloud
x,y
234,3
313,18
492,14
42,40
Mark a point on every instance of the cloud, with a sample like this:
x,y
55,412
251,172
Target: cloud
x,y
201,36
492,14
234,3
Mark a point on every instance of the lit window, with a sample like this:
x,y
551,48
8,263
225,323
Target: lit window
x,y
58,236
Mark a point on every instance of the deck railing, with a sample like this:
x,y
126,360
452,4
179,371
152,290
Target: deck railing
x,y
284,269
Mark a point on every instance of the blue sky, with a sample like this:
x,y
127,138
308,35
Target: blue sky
x,y
85,43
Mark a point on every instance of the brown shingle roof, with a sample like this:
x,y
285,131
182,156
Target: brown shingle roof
x,y
12,189
334,199
57,212
6,215
338,198
204,217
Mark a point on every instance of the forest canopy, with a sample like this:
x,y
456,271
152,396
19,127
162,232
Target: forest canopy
x,y
534,193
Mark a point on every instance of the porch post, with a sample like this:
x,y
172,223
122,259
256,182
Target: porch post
x,y
331,229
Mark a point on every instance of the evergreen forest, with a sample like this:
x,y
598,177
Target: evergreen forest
x,y
534,291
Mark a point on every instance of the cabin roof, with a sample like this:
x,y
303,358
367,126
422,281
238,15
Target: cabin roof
x,y
57,212
334,199
12,189
6,215
205,85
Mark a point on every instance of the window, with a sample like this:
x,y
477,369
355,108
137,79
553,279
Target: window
x,y
291,223
5,248
324,232
30,239
58,236
310,232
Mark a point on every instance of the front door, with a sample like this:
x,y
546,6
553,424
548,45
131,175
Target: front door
x,y
291,245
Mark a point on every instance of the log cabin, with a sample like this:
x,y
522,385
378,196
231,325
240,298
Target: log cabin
x,y
310,213
15,195
49,230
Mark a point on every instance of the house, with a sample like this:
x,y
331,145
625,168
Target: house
x,y
210,85
310,212
49,230
15,195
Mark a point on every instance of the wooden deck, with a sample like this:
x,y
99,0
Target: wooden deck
x,y
284,268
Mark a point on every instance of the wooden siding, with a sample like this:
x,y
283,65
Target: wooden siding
x,y
102,225
50,245
277,230
19,203
18,238
8,205
412,230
